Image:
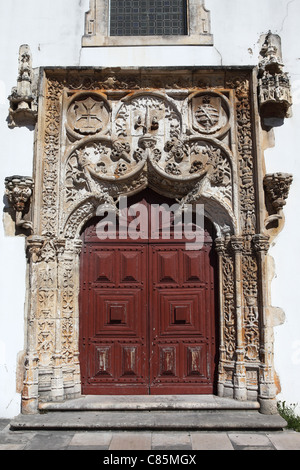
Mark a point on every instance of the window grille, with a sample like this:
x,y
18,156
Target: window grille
x,y
148,17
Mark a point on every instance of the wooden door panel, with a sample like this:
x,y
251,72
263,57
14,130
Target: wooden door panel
x,y
101,360
102,269
196,364
116,368
194,266
116,312
167,267
183,368
147,316
131,266
114,319
180,312
181,334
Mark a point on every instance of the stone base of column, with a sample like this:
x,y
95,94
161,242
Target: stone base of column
x,y
268,406
29,406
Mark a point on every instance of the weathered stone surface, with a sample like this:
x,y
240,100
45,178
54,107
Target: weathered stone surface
x,y
154,420
211,441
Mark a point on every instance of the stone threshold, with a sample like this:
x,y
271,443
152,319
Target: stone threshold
x,y
149,402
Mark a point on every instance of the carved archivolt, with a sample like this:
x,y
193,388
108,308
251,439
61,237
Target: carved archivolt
x,y
187,135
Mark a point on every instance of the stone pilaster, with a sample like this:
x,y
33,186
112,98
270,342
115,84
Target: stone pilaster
x,y
240,383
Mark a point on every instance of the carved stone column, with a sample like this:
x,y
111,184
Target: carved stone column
x,y
267,387
68,290
57,382
240,383
220,249
30,393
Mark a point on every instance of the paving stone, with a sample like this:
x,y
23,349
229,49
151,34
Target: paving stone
x,y
93,448
49,441
171,441
15,438
240,448
211,441
96,439
131,441
12,446
251,440
3,423
287,440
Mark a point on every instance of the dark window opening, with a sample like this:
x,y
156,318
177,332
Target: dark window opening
x,y
148,17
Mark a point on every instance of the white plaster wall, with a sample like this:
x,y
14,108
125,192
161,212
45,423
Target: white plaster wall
x,y
53,29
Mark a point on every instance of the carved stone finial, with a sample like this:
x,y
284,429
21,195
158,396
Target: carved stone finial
x,y
274,88
23,102
19,191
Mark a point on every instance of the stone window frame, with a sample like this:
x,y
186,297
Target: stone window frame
x,y
97,23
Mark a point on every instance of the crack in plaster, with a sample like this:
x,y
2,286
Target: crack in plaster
x,y
287,14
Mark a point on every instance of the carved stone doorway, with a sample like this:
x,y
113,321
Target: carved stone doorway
x,y
193,135
147,307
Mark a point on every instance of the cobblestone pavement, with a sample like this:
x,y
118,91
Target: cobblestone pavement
x,y
146,441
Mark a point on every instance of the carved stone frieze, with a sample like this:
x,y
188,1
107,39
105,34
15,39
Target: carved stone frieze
x,y
245,151
144,142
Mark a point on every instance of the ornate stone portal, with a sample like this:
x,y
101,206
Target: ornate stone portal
x,y
189,134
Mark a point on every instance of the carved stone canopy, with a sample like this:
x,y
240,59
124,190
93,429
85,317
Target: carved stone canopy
x,y
273,83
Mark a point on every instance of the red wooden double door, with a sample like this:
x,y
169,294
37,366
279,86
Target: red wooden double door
x,y
147,315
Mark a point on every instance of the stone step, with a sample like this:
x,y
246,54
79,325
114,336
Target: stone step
x,y
147,420
149,402
150,412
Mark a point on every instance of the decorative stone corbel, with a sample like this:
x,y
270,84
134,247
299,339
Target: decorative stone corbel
x,y
23,99
19,190
277,187
274,88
